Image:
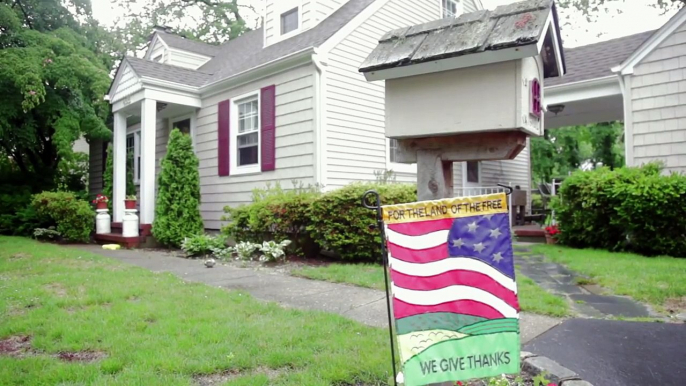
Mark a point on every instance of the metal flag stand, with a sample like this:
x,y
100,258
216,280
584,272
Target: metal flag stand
x,y
373,196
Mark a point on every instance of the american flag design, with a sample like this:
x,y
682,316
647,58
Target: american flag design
x,y
453,286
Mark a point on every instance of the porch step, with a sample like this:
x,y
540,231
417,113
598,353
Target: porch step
x,y
117,238
530,234
143,229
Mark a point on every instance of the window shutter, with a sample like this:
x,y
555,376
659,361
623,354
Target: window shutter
x,y
268,129
223,137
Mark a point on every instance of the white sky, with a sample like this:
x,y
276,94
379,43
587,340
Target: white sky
x,y
636,16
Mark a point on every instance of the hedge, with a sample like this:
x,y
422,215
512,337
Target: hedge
x,y
334,221
339,223
73,217
628,209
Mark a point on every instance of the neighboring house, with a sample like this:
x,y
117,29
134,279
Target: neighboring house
x,y
639,79
283,103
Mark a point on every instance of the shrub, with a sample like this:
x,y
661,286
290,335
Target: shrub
x,y
73,217
245,250
273,251
17,215
202,245
339,223
177,211
626,209
275,214
46,234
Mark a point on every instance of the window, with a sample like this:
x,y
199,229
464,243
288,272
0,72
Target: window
x,y
393,150
248,132
289,21
451,8
133,146
157,58
473,172
184,126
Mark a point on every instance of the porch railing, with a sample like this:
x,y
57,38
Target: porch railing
x,y
481,190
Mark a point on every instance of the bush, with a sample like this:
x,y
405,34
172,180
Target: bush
x,y
202,245
275,214
177,211
635,209
17,216
339,223
73,218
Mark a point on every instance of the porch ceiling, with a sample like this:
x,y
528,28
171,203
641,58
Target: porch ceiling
x,y
586,111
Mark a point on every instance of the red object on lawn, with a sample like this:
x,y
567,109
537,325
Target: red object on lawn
x,y
130,204
101,205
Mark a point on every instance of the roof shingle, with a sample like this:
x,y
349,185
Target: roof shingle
x,y
181,43
596,60
166,72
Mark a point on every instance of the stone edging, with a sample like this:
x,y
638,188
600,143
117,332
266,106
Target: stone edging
x,y
561,376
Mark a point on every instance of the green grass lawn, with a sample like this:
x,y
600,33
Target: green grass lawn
x,y
660,281
155,329
532,298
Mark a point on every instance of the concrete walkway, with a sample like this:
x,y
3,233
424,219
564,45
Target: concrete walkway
x,y
364,305
586,300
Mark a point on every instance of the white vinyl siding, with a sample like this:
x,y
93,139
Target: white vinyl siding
x,y
159,49
355,116
311,13
658,101
294,143
127,85
469,6
324,8
187,59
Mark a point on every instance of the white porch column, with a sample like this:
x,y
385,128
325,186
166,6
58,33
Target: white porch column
x,y
119,163
147,184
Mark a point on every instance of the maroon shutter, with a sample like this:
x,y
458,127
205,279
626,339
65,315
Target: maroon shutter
x,y
223,137
268,134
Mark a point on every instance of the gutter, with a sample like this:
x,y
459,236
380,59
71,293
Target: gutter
x,y
319,120
258,72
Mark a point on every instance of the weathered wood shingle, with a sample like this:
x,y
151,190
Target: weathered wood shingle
x,y
511,25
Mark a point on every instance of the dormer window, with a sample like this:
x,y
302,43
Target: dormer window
x,y
157,58
451,8
289,21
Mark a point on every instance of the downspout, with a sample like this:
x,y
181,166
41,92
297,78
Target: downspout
x,y
319,121
625,85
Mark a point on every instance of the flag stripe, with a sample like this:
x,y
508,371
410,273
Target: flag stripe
x,y
437,320
453,264
414,256
424,241
411,229
452,294
402,309
447,279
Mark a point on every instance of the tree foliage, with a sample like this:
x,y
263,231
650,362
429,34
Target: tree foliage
x,y
52,85
210,21
108,188
177,211
590,8
565,150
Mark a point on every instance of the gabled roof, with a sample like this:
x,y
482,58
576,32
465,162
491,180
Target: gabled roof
x,y
653,42
246,52
150,69
596,60
508,26
181,43
243,53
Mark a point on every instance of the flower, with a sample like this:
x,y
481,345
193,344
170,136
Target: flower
x,y
32,92
552,230
100,198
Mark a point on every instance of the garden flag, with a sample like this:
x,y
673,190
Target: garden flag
x,y
453,286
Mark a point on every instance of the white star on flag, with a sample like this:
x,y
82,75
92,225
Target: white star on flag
x,y
472,227
458,243
495,233
479,247
498,257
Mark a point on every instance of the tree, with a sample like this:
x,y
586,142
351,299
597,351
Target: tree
x,y
210,21
177,211
590,7
607,145
52,87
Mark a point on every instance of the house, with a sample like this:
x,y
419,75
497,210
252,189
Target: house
x,y
282,103
639,79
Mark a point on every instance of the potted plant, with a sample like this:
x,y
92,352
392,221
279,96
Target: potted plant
x,y
551,233
101,201
130,202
